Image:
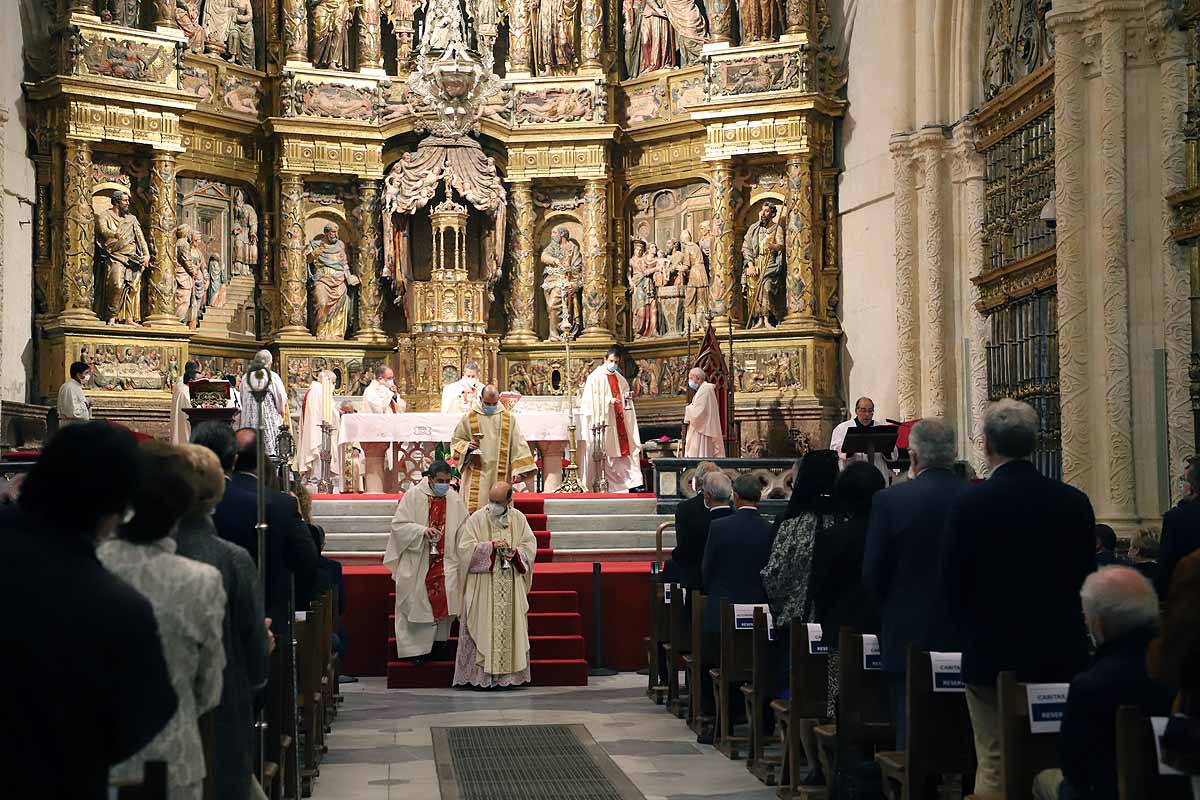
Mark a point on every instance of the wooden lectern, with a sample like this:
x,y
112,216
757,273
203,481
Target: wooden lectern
x,y
879,439
210,402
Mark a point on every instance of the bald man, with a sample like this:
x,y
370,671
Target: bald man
x,y
496,549
705,434
489,447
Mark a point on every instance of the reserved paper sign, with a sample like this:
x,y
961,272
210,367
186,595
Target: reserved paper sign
x,y
947,672
816,644
1047,706
871,659
667,594
1159,724
743,618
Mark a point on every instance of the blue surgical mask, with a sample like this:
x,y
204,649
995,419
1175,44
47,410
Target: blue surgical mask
x,y
611,366
440,489
693,385
489,409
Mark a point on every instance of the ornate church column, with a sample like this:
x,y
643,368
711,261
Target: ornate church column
x,y
520,38
799,17
370,297
369,54
933,336
521,282
160,278
591,33
295,30
801,288
79,234
293,284
597,324
722,288
908,342
967,168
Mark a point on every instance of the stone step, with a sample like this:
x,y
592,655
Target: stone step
x,y
355,542
367,508
354,524
600,505
607,540
560,523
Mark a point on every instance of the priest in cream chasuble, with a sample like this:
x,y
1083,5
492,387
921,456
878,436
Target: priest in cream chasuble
x,y
496,549
489,448
705,436
603,402
422,555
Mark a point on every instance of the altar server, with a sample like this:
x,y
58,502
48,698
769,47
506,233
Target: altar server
x,y
73,404
380,397
422,555
705,438
275,406
459,396
181,427
496,549
489,447
604,402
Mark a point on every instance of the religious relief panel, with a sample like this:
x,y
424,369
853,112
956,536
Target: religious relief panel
x,y
775,71
668,270
559,104
1016,41
127,59
643,104
242,95
762,370
302,98
546,377
660,376
199,81
685,93
220,367
661,34
301,371
118,367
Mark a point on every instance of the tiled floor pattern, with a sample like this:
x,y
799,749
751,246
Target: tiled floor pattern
x,y
381,747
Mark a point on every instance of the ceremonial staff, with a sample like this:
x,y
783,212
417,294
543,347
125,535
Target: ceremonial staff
x,y
258,378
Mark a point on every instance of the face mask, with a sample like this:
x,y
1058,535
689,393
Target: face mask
x,y
489,409
611,367
497,509
693,385
440,489
390,384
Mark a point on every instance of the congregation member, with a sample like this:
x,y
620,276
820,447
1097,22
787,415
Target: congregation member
x,y
900,566
839,595
245,633
1174,660
1180,527
459,396
73,405
275,411
422,556
496,549
1017,549
606,400
181,398
702,416
734,556
1143,552
189,604
490,448
864,417
330,576
380,397
1120,610
1106,548
94,639
691,532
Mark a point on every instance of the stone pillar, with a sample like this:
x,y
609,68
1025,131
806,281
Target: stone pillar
x,y
79,234
521,312
720,21
160,276
293,283
968,169
801,289
369,54
722,288
799,17
933,304
164,14
597,324
908,370
591,33
520,38
370,297
295,30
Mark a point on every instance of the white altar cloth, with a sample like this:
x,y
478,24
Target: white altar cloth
x,y
431,427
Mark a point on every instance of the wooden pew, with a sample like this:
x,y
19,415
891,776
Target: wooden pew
x,y
656,688
736,666
309,696
758,695
808,688
694,662
328,673
1137,762
1022,754
939,737
678,646
864,717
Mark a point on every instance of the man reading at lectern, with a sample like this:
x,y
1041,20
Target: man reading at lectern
x,y
459,396
603,403
864,417
489,448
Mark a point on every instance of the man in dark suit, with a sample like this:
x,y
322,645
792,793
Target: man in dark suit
x,y
906,530
1017,549
691,532
1181,528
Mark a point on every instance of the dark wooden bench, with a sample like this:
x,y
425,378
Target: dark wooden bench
x,y
758,694
1137,762
736,666
864,716
694,663
677,648
656,688
808,689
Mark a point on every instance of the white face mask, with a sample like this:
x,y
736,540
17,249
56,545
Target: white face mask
x,y
498,510
611,366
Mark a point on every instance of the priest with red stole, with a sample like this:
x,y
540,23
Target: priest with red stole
x,y
422,555
705,437
604,401
496,549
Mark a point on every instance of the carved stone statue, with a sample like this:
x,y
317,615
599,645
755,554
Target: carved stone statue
x,y
485,21
187,261
218,23
644,293
556,30
239,43
762,266
661,34
187,17
329,268
443,25
122,12
671,288
216,283
124,255
695,302
562,276
245,235
760,20
331,34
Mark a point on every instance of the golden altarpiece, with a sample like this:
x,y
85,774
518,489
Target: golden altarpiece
x,y
434,182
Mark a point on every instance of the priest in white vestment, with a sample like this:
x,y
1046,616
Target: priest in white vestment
x,y
459,396
73,404
422,555
489,448
319,408
275,406
181,426
705,436
864,417
604,402
380,397
496,549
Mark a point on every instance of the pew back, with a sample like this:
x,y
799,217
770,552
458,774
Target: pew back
x,y
939,729
1137,761
864,717
1022,754
808,677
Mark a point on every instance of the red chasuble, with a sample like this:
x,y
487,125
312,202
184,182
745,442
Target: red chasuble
x,y
435,578
619,408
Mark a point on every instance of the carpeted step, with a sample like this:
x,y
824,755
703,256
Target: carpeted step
x,y
440,674
537,522
540,647
544,555
547,602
